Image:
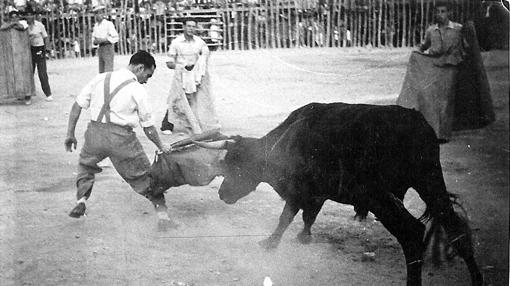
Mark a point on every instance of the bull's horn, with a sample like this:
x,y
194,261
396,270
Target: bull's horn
x,y
221,144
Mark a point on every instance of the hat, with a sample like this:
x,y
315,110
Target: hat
x,y
14,11
99,8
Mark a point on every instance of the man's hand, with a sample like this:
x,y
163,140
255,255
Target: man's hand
x,y
189,67
70,142
166,148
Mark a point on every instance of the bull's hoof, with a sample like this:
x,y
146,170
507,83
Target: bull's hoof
x,y
166,224
78,210
304,238
269,243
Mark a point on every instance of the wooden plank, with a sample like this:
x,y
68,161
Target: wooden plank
x,y
138,32
250,28
328,28
266,27
237,16
379,23
275,25
256,30
288,26
165,50
394,26
64,33
6,61
359,28
242,34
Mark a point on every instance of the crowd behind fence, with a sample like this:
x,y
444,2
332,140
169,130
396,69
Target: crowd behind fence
x,y
277,24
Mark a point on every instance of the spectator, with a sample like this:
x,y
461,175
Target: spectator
x,y
105,36
214,34
38,44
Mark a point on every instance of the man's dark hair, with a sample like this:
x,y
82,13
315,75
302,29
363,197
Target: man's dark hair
x,y
446,4
143,57
187,19
14,12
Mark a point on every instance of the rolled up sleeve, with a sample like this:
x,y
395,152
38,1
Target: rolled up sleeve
x,y
143,108
113,36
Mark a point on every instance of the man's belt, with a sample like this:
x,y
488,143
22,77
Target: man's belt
x,y
105,44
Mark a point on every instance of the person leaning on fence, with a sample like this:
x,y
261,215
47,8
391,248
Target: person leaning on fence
x,y
13,21
118,103
105,36
38,43
190,104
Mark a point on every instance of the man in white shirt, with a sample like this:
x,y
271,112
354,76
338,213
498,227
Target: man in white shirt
x,y
110,132
38,43
105,36
190,106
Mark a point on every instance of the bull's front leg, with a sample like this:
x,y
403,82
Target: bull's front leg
x,y
289,211
310,212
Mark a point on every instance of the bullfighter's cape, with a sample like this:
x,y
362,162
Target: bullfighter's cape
x,y
180,112
449,97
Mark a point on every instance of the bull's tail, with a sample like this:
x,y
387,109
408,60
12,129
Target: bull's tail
x,y
448,233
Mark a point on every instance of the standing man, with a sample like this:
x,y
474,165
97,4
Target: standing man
x,y
38,43
105,36
13,22
118,103
429,85
190,105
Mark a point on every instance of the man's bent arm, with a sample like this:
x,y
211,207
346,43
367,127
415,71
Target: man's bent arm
x,y
74,115
152,134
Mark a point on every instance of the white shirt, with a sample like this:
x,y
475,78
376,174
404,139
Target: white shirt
x,y
128,107
37,33
105,29
189,52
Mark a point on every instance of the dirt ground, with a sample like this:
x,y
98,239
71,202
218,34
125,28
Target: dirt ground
x,y
117,243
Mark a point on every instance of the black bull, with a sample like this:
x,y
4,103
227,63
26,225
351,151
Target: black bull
x,y
364,155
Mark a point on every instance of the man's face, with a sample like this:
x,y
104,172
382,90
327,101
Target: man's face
x,y
100,15
143,74
30,19
189,28
14,17
442,14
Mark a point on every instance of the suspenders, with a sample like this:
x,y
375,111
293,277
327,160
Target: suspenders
x,y
105,110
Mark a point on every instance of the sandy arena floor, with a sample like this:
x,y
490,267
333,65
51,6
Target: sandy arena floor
x,y
117,243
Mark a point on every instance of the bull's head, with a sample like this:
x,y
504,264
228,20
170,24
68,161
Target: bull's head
x,y
241,168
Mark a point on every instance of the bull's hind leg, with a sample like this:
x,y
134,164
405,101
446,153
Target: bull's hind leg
x,y
310,212
440,210
459,237
289,212
406,228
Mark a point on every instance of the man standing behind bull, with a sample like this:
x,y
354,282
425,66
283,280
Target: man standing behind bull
x,y
118,103
105,36
190,105
434,92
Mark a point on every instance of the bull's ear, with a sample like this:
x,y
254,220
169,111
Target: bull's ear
x,y
221,144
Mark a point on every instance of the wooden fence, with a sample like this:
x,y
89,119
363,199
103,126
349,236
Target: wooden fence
x,y
276,24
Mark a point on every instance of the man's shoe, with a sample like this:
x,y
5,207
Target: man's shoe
x,y
167,132
49,98
78,211
28,102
